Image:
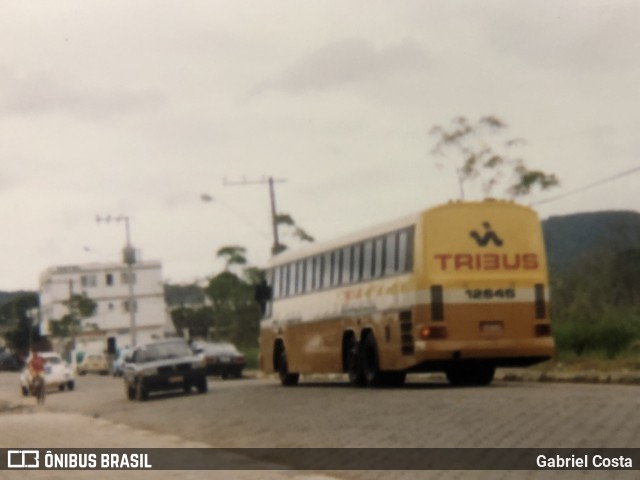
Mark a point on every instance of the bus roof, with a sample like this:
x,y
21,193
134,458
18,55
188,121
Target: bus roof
x,y
374,231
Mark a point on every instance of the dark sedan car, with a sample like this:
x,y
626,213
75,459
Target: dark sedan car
x,y
222,359
161,366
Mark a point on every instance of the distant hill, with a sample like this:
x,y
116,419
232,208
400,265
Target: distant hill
x,y
571,237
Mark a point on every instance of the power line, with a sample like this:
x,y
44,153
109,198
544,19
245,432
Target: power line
x,y
277,247
586,187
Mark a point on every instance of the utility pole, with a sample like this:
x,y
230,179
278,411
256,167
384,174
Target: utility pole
x,y
275,249
129,258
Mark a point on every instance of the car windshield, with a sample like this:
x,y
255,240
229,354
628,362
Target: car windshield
x,y
161,351
52,360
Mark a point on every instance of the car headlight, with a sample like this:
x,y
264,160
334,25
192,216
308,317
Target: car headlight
x,y
149,371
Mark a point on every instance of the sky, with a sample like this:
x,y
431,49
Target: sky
x,y
139,108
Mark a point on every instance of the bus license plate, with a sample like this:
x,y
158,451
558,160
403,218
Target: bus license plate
x,y
175,379
491,328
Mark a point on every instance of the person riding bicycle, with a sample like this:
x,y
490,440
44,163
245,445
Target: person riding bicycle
x,y
36,371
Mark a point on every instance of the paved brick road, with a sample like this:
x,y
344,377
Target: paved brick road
x,y
319,414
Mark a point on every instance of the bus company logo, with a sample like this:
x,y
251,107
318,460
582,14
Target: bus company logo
x,y
23,459
489,236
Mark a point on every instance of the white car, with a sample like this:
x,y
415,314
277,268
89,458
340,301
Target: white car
x,y
57,374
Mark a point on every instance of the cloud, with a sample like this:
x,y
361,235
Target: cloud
x,y
346,62
581,36
41,94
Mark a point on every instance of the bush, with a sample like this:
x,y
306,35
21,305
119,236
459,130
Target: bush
x,y
610,333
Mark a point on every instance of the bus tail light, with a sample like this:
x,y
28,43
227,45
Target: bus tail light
x,y
437,304
540,306
433,332
543,330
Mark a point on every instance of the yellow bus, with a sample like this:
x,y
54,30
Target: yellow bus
x,y
460,288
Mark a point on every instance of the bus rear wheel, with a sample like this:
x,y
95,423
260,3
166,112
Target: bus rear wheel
x,y
369,362
354,366
287,379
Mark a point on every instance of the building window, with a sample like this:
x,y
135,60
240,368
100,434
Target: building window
x,y
108,279
125,306
124,278
88,280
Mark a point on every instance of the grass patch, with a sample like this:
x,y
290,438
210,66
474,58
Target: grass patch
x,y
251,355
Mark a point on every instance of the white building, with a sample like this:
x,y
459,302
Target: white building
x,y
107,285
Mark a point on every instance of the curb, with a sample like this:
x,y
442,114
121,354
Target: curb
x,y
504,375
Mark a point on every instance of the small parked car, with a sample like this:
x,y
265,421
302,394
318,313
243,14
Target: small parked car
x,y
161,366
222,359
57,374
94,363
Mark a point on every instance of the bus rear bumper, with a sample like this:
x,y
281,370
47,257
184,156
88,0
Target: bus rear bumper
x,y
500,352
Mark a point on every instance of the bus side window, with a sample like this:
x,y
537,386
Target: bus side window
x,y
317,278
346,265
405,250
284,280
309,275
356,263
336,269
292,279
378,265
390,253
326,267
367,260
275,279
301,276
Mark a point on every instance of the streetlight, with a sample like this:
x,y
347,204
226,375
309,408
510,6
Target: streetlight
x,y
129,258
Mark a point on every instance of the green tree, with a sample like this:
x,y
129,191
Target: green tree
x,y
293,230
80,307
466,145
233,255
236,313
198,321
16,312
